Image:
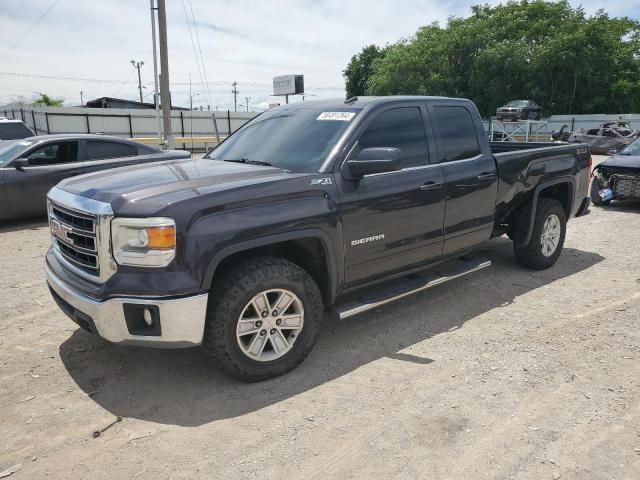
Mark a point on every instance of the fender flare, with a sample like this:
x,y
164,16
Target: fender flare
x,y
313,233
534,201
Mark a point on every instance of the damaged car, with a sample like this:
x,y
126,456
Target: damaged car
x,y
608,136
618,177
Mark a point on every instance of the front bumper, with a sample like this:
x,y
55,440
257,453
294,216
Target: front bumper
x,y
180,321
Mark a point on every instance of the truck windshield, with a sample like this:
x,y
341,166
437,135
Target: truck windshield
x,y
518,103
295,139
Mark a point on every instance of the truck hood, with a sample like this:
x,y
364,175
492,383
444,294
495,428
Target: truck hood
x,y
146,188
622,161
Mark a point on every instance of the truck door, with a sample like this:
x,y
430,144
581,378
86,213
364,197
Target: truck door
x,y
470,176
393,220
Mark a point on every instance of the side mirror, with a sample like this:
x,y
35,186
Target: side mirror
x,y
612,152
20,163
375,160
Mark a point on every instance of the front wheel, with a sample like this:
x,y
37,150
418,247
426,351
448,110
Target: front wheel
x,y
263,318
547,238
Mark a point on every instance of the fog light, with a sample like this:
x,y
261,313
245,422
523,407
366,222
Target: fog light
x,y
148,318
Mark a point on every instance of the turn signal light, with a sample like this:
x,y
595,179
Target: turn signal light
x,y
161,238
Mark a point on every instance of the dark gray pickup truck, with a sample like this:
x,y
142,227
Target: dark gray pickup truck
x,y
311,207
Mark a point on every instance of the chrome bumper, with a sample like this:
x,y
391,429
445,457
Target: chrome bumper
x,y
181,320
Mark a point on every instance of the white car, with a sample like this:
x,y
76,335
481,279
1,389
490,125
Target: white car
x,y
14,129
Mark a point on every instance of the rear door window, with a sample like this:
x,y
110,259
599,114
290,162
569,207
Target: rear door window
x,y
101,150
401,128
455,133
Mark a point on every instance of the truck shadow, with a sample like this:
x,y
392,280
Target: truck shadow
x,y
29,224
182,387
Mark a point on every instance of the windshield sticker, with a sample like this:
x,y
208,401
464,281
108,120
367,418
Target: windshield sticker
x,y
341,116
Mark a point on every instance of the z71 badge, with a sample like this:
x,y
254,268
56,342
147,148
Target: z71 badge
x,y
321,181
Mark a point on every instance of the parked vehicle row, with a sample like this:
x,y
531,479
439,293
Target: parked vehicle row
x,y
313,206
30,167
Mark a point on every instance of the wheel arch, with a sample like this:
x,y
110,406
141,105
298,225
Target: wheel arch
x,y
561,188
310,249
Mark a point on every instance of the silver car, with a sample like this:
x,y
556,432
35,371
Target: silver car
x,y
30,167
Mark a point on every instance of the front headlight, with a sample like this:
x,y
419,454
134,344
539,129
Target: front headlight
x,y
143,242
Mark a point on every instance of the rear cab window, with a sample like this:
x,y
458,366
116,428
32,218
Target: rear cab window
x,y
456,135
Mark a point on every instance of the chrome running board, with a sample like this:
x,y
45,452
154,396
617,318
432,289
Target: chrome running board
x,y
395,290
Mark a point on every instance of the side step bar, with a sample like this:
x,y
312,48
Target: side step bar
x,y
383,294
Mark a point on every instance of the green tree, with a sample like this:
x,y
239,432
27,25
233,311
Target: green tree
x,y
359,70
44,100
547,51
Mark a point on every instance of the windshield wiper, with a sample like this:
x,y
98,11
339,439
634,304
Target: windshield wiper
x,y
246,160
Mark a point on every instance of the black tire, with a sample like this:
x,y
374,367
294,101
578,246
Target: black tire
x,y
530,255
596,199
233,290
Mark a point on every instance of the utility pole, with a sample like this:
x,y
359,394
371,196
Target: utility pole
x,y
235,96
164,75
138,65
156,99
246,101
81,99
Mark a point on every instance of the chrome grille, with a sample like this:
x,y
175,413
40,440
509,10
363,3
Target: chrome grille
x,y
626,185
74,236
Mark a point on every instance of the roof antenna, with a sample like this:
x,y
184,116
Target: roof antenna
x,y
351,100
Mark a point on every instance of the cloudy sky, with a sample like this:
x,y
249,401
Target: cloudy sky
x,y
89,43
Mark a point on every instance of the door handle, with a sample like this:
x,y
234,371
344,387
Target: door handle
x,y
73,172
485,177
430,186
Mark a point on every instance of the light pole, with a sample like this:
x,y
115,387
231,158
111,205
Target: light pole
x,y
191,100
235,96
138,65
81,99
247,102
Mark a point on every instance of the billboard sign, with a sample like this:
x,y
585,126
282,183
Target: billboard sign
x,y
288,85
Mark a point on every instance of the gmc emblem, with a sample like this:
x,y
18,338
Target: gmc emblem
x,y
60,231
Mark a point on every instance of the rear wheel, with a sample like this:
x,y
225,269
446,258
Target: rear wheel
x,y
547,238
263,318
594,192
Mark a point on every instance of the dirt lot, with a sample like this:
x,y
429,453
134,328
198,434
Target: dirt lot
x,y
504,374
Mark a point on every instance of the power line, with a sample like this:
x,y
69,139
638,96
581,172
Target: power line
x,y
117,82
204,70
11,15
124,83
46,12
193,43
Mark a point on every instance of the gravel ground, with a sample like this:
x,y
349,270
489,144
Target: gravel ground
x,y
506,373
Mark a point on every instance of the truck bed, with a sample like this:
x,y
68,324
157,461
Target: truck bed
x,y
522,166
